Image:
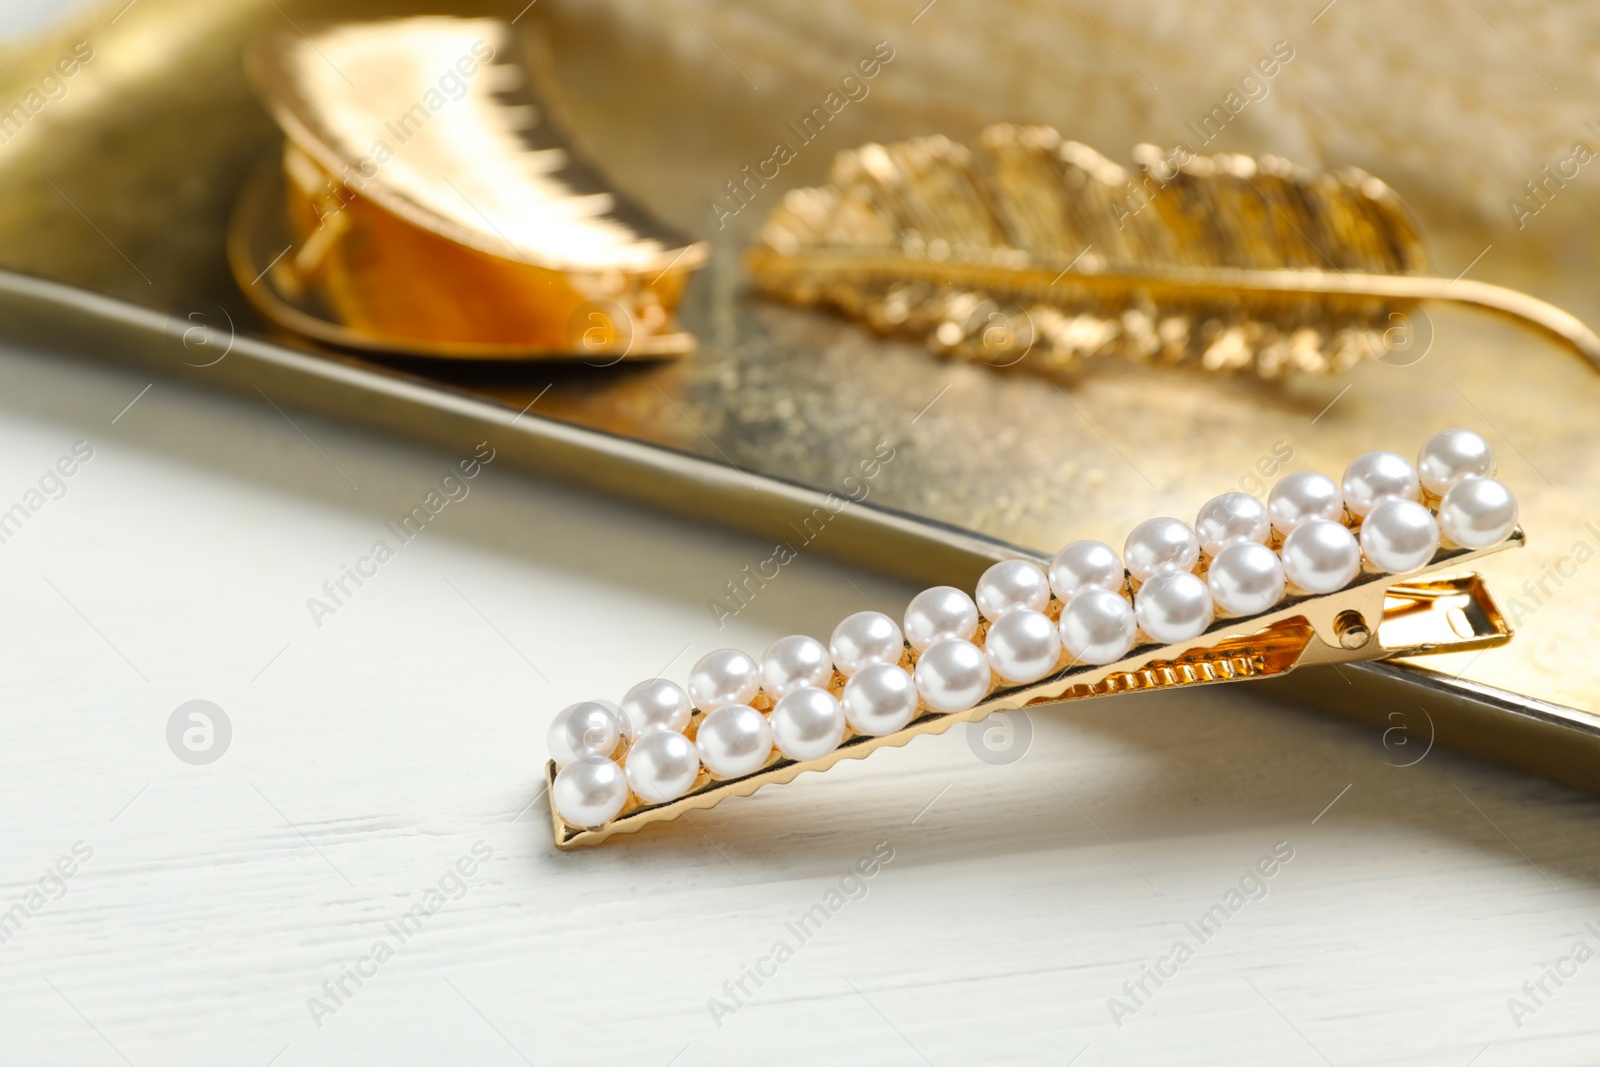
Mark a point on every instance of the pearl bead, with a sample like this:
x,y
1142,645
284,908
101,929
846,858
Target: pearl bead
x,y
657,705
1097,627
1399,536
1451,456
879,699
943,611
793,663
1173,606
590,794
1160,545
865,638
1086,565
1301,497
726,676
1023,646
1375,477
662,766
808,723
1230,519
1477,513
1321,556
590,729
734,740
1012,584
952,675
1245,578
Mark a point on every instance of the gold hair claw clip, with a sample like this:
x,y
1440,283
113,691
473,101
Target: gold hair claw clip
x,y
1322,572
426,204
1042,248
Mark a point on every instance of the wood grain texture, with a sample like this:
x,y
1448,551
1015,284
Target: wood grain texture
x,y
370,755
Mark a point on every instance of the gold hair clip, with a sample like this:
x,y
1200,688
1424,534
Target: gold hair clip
x,y
434,209
1251,590
1042,249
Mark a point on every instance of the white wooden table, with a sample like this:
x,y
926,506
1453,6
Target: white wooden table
x,y
214,911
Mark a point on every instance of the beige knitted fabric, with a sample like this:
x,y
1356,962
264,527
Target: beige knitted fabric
x,y
1457,103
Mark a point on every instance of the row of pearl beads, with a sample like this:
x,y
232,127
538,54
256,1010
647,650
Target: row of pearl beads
x,y
1244,577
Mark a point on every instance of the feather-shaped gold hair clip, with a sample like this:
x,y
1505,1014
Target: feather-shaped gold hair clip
x,y
434,208
1039,248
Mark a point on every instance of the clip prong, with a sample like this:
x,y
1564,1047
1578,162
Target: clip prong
x,y
770,723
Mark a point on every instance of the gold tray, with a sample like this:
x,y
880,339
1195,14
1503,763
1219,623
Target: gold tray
x,y
112,222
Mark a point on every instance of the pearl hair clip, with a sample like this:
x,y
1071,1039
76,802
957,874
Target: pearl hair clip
x,y
1251,590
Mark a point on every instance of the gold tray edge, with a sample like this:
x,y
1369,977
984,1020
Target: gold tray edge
x,y
1552,741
